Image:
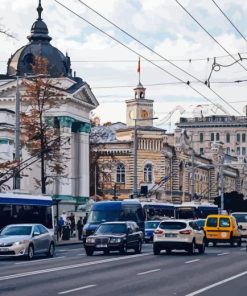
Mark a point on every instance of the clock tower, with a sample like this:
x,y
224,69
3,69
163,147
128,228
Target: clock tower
x,y
139,108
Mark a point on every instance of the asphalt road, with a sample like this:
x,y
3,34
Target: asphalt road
x,y
221,271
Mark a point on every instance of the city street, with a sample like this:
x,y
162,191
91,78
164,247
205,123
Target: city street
x,y
221,271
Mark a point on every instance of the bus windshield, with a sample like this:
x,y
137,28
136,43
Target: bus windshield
x,y
103,216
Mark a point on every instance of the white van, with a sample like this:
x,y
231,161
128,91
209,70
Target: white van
x,y
241,218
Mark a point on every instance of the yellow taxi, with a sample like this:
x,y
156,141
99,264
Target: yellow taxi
x,y
222,229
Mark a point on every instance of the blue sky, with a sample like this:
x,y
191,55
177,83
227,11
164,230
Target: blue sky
x,y
161,25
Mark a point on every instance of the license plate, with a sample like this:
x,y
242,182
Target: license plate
x,y
170,235
4,249
101,246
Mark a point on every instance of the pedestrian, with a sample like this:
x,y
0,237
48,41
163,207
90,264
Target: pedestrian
x,y
64,216
60,223
79,228
85,219
72,224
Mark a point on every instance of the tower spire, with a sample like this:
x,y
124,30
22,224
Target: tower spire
x,y
39,9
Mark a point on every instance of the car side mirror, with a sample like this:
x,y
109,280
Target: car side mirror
x,y
36,233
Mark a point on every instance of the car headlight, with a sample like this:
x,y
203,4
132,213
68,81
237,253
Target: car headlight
x,y
20,243
115,240
90,240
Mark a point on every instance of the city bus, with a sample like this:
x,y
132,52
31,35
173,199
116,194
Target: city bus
x,y
24,208
191,210
158,210
106,211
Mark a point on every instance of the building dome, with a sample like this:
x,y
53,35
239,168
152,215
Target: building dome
x,y
22,60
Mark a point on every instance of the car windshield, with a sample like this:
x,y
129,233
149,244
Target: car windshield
x,y
111,229
172,225
242,218
200,223
103,216
151,224
17,230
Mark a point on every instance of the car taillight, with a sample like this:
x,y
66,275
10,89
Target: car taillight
x,y
185,232
158,231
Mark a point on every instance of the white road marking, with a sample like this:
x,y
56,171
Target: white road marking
x,y
192,261
77,289
223,254
217,284
80,254
146,272
242,249
66,267
40,260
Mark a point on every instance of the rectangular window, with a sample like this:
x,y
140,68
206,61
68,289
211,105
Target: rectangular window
x,y
243,150
228,150
201,137
224,222
228,138
212,136
238,150
238,138
212,222
243,138
201,151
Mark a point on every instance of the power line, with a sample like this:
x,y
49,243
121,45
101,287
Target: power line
x,y
229,20
131,36
124,45
208,33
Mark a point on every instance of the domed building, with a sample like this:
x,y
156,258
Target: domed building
x,y
72,116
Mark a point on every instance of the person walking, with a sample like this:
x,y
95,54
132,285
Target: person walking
x,y
72,224
85,219
79,228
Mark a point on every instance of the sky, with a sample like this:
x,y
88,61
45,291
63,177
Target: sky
x,y
161,25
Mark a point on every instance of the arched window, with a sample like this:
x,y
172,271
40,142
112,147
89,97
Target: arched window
x,y
148,173
120,173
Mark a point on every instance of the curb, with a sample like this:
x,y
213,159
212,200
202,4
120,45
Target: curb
x,y
68,244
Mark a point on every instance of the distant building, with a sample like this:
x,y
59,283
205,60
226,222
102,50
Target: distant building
x,y
72,116
164,161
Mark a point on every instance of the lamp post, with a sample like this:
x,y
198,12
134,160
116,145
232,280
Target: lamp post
x,y
135,147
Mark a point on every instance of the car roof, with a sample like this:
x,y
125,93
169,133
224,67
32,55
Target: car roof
x,y
153,221
24,224
118,222
176,220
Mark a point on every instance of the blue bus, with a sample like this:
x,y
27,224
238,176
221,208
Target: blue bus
x,y
24,208
104,211
191,210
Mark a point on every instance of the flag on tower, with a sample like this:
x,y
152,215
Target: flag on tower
x,y
139,66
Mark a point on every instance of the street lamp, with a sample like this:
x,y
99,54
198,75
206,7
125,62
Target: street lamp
x,y
135,191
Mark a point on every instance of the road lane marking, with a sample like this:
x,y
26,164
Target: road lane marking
x,y
149,271
217,284
80,254
40,260
242,249
77,289
223,254
192,261
66,267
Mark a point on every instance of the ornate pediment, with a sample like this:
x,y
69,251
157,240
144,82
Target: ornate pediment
x,y
85,95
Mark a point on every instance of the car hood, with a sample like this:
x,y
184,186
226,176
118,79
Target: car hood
x,y
121,235
13,238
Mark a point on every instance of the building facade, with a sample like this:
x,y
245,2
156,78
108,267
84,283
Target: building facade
x,y
72,115
165,167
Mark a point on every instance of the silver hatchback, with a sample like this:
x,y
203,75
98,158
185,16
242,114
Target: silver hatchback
x,y
26,240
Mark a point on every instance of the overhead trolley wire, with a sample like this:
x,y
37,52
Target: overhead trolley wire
x,y
153,51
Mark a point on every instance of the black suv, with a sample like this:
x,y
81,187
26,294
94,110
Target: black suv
x,y
115,236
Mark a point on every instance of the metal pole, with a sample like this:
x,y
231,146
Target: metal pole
x,y
17,135
95,184
193,175
135,192
222,190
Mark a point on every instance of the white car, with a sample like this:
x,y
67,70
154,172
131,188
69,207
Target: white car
x,y
241,218
178,235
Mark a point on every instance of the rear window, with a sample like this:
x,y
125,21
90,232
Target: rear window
x,y
242,218
172,225
224,222
212,222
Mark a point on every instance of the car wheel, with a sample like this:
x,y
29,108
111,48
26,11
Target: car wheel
x,y
138,248
123,250
156,250
232,241
51,250
89,251
192,248
30,252
201,248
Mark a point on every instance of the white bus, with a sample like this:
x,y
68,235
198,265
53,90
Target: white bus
x,y
24,208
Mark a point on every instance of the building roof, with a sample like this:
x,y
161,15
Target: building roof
x,y
20,63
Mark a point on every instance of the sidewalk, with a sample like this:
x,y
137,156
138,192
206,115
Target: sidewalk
x,y
71,241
